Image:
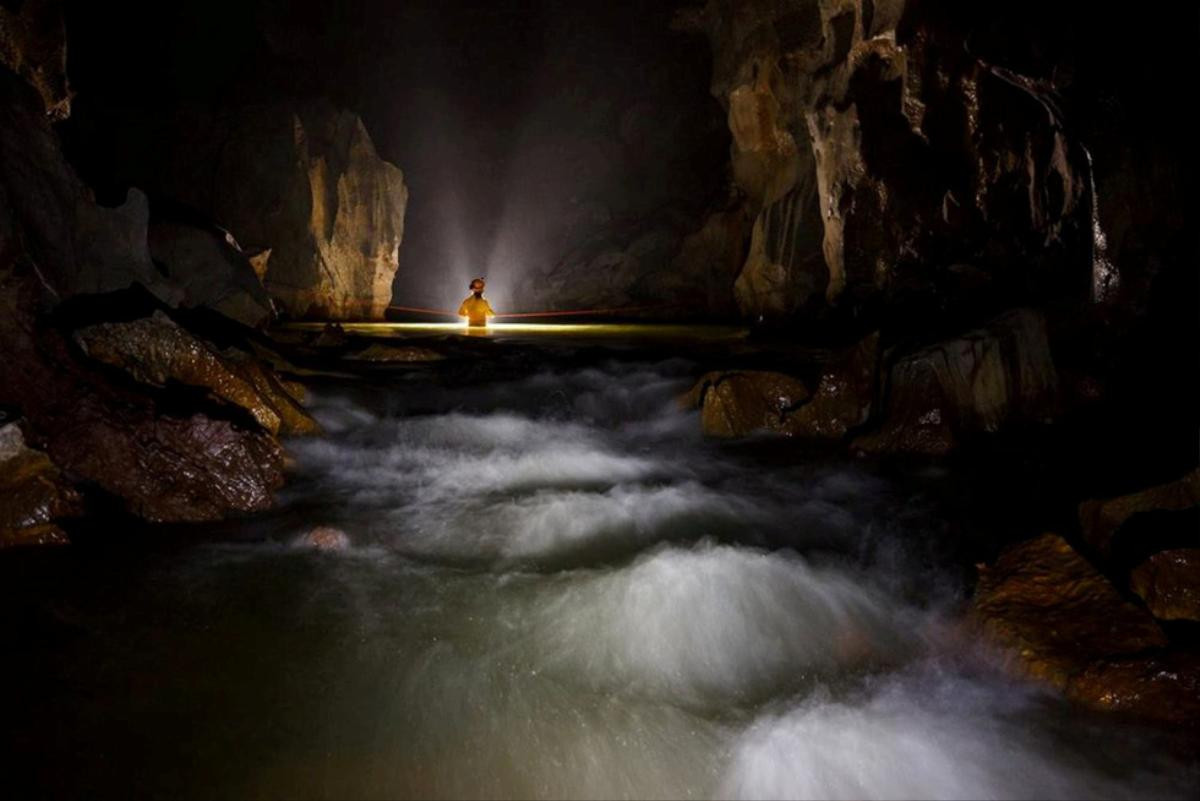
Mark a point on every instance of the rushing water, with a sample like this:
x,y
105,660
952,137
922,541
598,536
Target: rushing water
x,y
554,588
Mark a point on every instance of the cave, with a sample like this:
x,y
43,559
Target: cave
x,y
608,399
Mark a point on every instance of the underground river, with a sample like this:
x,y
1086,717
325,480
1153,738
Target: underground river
x,y
552,586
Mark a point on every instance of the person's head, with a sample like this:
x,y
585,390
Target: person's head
x,y
477,286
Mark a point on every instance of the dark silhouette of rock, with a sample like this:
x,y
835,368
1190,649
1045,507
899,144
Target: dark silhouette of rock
x,y
211,270
33,44
33,494
974,383
74,245
844,397
1169,583
1100,520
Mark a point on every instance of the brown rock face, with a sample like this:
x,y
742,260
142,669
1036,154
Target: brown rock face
x,y
1100,519
305,183
33,44
875,151
1055,614
734,404
155,351
844,397
1164,688
1169,583
975,383
33,494
165,468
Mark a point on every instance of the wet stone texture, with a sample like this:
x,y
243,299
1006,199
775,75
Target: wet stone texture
x,y
1169,583
738,403
1057,619
33,494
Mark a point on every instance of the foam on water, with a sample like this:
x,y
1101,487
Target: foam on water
x,y
555,588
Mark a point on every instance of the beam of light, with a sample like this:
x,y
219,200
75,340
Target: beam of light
x,y
634,330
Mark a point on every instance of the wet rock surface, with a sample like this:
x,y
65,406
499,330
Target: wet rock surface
x,y
155,351
976,383
1169,583
1102,519
34,495
739,403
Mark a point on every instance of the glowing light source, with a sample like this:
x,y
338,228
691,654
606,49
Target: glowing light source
x,y
626,330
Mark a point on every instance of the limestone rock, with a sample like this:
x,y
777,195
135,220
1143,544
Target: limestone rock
x,y
303,181
166,468
975,383
875,150
33,44
1055,615
1169,583
155,350
33,494
47,214
1100,519
844,397
211,271
738,403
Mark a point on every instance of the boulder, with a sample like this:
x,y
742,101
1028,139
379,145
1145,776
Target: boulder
x,y
33,44
975,383
166,467
211,271
155,350
33,494
1101,519
303,181
1169,583
844,397
1054,614
1163,688
325,538
741,402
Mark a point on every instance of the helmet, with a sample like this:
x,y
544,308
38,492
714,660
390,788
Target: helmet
x,y
478,282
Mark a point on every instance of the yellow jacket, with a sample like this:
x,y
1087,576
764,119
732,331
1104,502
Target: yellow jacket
x,y
476,310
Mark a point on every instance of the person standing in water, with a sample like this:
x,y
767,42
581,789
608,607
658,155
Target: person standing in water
x,y
475,308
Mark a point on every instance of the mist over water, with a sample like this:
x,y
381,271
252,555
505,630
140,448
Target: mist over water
x,y
556,588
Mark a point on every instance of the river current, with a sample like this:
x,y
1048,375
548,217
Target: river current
x,y
553,587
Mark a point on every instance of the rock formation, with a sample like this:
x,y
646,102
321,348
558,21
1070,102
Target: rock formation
x,y
875,151
34,495
33,44
300,180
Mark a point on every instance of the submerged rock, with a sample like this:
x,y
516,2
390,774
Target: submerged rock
x,y
324,538
33,494
975,383
379,352
1169,583
155,350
